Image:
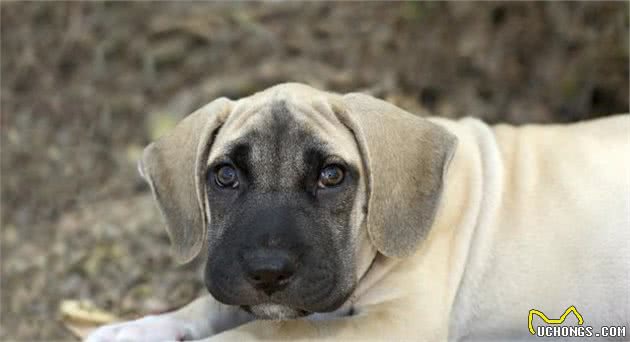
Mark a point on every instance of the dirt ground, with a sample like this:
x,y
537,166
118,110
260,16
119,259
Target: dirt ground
x,y
84,86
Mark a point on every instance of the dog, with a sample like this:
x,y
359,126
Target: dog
x,y
343,217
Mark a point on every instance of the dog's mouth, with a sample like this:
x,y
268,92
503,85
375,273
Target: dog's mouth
x,y
275,311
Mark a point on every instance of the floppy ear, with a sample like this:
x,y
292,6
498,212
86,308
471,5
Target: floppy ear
x,y
175,168
405,158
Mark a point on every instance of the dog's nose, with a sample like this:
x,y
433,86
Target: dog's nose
x,y
269,271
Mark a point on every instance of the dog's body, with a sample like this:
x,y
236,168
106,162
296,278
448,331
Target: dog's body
x,y
441,230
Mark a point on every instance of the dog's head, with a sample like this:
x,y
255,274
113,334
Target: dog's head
x,y
293,191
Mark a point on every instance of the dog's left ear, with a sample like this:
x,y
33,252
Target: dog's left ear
x,y
406,158
175,168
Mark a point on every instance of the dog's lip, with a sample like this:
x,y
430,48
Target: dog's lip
x,y
304,309
301,312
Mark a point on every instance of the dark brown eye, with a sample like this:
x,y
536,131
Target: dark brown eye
x,y
226,177
331,175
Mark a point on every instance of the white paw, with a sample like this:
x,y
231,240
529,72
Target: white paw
x,y
146,329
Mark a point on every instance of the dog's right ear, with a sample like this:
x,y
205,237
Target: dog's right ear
x,y
175,168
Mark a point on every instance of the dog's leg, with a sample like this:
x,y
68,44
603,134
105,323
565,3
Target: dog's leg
x,y
381,322
201,318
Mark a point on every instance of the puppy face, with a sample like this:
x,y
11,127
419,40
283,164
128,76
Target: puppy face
x,y
286,196
295,190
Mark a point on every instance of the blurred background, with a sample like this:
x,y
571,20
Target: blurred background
x,y
86,85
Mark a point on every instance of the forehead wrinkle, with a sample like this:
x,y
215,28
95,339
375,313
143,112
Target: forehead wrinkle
x,y
278,155
239,123
292,137
317,122
318,117
242,114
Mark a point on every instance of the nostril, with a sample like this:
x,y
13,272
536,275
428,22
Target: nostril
x,y
269,276
269,272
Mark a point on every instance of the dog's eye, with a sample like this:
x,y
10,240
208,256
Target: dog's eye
x,y
330,175
226,177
